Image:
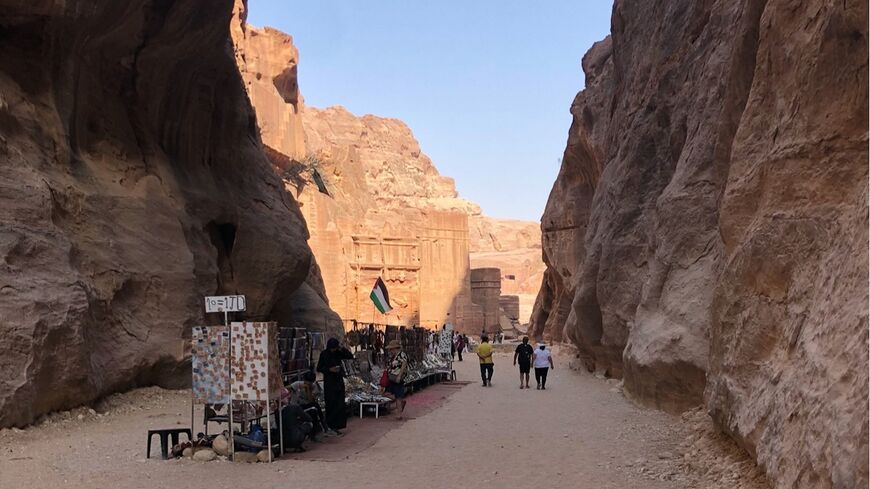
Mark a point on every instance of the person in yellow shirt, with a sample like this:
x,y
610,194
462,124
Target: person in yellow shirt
x,y
484,352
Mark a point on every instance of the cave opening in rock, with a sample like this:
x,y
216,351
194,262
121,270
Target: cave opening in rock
x,y
227,235
223,237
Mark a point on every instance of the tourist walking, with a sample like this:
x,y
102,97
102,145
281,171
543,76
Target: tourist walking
x,y
484,352
460,346
523,356
396,370
543,361
329,365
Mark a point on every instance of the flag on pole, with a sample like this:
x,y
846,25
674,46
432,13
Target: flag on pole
x,y
381,297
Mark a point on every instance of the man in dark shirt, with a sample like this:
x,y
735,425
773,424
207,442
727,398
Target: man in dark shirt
x,y
296,424
523,355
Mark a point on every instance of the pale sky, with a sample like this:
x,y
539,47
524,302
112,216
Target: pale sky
x,y
485,85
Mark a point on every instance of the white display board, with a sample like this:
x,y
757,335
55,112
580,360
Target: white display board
x,y
254,366
445,340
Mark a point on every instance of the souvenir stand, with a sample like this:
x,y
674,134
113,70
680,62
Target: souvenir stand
x,y
362,374
367,337
255,373
210,362
238,367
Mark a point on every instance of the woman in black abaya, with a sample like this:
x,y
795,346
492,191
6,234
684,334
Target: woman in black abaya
x,y
329,365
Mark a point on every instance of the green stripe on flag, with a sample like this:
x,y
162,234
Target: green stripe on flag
x,y
380,297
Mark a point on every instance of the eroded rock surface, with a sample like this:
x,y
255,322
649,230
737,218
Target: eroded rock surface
x,y
706,237
132,183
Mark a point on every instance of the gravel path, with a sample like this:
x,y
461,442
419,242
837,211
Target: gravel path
x,y
579,433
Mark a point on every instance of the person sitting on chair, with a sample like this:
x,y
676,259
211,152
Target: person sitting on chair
x,y
305,393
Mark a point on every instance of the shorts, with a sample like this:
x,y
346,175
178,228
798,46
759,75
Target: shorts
x,y
525,367
396,389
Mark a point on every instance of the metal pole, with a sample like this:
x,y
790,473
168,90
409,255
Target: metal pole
x,y
230,401
268,421
278,417
191,409
191,414
280,428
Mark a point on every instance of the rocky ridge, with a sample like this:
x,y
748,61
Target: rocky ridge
x,y
706,237
383,185
375,204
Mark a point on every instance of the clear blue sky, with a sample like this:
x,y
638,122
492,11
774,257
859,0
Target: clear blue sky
x,y
486,85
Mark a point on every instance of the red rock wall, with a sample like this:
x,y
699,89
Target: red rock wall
x,y
708,227
132,183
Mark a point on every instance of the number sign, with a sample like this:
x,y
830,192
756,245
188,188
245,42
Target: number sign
x,y
225,303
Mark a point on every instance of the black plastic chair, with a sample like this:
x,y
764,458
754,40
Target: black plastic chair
x,y
173,433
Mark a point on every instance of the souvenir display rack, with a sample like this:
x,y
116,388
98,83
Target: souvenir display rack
x,y
237,366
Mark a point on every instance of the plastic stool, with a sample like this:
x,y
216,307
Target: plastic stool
x,y
164,439
376,405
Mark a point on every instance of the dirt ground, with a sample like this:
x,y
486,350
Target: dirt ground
x,y
579,433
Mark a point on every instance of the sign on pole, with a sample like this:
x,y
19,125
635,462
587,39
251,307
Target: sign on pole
x,y
225,303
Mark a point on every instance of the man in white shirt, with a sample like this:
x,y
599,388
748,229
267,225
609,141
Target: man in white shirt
x,y
543,362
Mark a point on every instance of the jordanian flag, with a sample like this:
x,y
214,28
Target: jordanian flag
x,y
380,297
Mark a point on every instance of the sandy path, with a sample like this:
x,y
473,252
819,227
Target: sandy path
x,y
580,433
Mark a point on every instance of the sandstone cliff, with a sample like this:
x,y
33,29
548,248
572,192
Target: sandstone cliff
x,y
132,184
379,207
376,205
267,61
514,247
706,237
384,186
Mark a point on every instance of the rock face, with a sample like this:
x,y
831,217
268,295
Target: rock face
x,y
788,359
566,215
706,237
133,183
376,205
387,210
514,247
267,61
